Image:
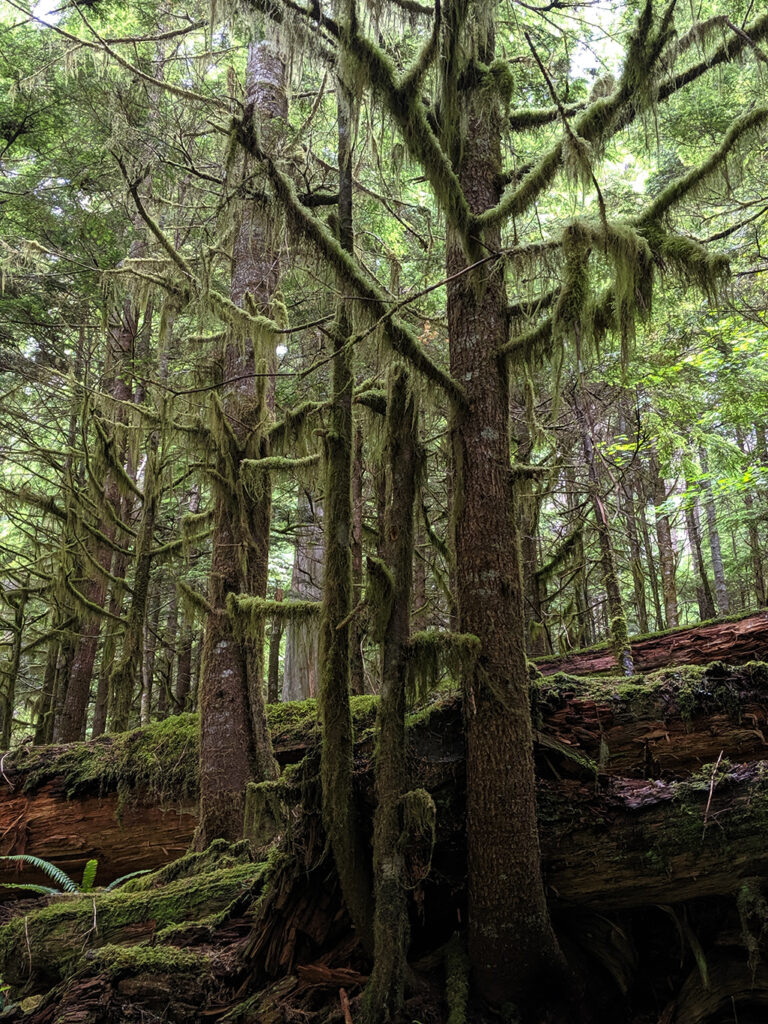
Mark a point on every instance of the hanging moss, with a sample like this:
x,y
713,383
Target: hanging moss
x,y
249,614
432,653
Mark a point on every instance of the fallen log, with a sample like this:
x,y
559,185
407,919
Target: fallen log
x,y
735,640
130,801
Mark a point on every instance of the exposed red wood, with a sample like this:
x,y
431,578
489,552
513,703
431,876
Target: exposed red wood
x,y
735,641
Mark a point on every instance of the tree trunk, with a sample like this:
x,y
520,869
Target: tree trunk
x,y
509,932
667,557
384,994
703,590
233,744
339,811
300,669
275,638
721,589
617,619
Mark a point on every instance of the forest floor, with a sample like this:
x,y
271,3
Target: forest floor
x,y
653,808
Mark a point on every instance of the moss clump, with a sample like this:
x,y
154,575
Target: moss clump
x,y
295,721
55,936
118,960
160,759
220,854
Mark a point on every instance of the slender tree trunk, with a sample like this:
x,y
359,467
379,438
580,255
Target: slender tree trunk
x,y
151,626
667,558
168,657
718,571
9,672
703,590
44,718
356,666
383,1000
617,619
653,577
275,638
126,673
301,669
339,812
511,941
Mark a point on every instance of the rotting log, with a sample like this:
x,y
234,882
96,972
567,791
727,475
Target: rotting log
x,y
129,800
735,640
594,736
663,725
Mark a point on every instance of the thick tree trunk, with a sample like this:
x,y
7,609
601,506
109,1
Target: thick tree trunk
x,y
511,941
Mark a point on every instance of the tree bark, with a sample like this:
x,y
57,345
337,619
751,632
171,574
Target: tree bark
x,y
510,936
301,669
667,557
704,597
234,745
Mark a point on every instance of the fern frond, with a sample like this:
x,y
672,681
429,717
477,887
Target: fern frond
x,y
89,876
61,878
41,890
125,878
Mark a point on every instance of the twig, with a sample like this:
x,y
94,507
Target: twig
x,y
344,1000
711,791
2,771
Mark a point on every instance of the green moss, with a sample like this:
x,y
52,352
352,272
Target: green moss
x,y
160,759
219,855
117,960
57,934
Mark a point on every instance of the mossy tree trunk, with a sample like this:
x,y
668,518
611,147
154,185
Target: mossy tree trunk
x,y
9,671
126,672
384,994
510,934
234,744
339,812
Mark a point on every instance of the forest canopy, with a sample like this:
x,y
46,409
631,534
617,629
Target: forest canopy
x,y
362,347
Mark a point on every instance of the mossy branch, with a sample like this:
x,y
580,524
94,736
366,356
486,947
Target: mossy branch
x,y
278,463
680,187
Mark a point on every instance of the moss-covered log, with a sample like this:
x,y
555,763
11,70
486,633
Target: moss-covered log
x,y
735,640
130,800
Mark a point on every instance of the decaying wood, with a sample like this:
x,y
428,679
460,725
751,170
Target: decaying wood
x,y
595,737
734,640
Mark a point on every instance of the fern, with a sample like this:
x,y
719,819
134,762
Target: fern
x,y
89,876
124,878
39,890
61,878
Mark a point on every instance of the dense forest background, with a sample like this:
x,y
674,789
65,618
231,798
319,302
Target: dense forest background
x,y
371,350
